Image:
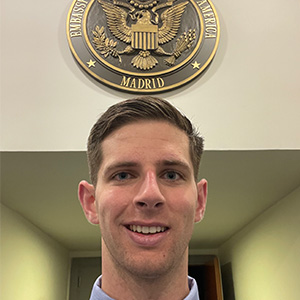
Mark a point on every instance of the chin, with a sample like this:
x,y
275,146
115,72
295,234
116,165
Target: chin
x,y
155,266
146,271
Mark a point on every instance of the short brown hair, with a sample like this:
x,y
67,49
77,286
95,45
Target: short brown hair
x,y
136,109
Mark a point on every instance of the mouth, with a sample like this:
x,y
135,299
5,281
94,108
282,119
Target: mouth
x,y
147,229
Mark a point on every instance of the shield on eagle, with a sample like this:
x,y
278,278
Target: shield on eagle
x,y
144,36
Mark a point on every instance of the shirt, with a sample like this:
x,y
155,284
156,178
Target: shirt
x,y
98,293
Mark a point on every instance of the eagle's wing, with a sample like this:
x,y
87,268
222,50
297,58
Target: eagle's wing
x,y
116,20
171,19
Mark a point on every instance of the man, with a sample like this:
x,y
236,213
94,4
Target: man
x,y
144,157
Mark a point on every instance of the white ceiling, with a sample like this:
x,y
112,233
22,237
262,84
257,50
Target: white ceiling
x,y
42,187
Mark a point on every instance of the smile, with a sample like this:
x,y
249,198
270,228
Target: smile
x,y
147,229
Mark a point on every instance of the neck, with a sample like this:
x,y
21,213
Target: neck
x,y
120,284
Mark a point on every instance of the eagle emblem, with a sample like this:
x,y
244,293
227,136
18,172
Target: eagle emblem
x,y
145,27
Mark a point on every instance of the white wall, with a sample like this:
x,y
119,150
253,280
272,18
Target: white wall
x,y
33,266
265,254
248,98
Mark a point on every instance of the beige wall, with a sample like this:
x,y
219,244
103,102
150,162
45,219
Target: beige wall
x,y
265,254
33,266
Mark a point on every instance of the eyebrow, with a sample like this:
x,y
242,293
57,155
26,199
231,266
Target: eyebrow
x,y
119,165
132,164
175,162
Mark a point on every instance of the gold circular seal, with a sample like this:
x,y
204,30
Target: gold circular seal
x,y
143,46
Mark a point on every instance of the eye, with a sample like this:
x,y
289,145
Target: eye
x,y
172,175
122,176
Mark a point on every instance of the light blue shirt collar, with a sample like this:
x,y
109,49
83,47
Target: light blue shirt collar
x,y
98,294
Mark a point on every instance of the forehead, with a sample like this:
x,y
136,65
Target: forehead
x,y
146,139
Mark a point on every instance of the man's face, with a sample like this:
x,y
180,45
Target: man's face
x,y
146,198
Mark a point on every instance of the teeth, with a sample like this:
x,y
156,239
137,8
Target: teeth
x,y
146,229
152,229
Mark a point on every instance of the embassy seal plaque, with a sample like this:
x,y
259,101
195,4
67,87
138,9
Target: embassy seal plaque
x,y
143,46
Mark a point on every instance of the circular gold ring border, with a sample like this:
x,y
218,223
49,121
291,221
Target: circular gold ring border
x,y
169,87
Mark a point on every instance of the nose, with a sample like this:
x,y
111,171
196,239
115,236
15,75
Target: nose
x,y
149,194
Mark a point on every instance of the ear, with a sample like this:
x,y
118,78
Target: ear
x,y
201,201
86,195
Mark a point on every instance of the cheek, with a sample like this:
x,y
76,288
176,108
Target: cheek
x,y
110,205
187,200
187,207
